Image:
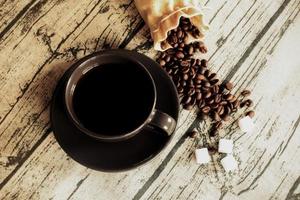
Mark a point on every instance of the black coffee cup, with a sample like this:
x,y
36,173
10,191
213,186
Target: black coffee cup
x,y
111,97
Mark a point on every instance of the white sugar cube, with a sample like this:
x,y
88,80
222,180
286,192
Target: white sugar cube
x,y
202,156
246,124
225,146
229,163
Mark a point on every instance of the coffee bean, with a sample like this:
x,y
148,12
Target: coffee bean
x,y
242,104
236,103
212,133
204,63
198,62
251,113
185,27
179,34
220,110
186,99
210,100
170,51
212,150
182,83
216,116
193,101
215,89
185,70
214,81
192,73
226,118
180,89
200,77
185,77
202,47
198,95
218,125
212,76
206,84
191,92
179,54
184,20
195,33
197,82
205,89
162,63
191,50
228,96
245,93
193,62
207,94
201,103
205,109
227,110
229,86
201,70
198,86
249,103
187,106
193,134
181,49
218,98
230,105
186,39
223,103
207,73
214,106
191,83
185,63
233,99
167,58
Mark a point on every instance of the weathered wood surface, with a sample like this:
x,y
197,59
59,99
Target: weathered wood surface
x,y
253,43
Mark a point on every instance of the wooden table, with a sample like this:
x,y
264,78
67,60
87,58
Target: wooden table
x,y
253,43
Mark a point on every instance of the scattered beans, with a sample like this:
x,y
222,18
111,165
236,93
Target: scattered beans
x,y
251,113
196,84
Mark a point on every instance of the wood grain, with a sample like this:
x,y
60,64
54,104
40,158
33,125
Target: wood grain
x,y
11,12
267,165
243,34
29,77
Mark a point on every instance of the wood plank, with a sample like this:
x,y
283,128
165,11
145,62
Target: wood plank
x,y
268,157
124,187
60,34
11,12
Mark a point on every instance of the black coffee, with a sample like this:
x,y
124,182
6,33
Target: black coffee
x,y
113,99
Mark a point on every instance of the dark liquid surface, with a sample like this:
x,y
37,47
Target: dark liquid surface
x,y
113,99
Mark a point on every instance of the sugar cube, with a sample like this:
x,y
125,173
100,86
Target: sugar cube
x,y
202,156
229,163
246,124
225,146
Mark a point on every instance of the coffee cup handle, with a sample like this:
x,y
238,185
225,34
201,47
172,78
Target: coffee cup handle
x,y
163,121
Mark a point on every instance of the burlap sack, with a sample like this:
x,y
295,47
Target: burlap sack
x,y
164,15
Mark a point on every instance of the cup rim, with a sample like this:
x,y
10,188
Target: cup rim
x,y
82,65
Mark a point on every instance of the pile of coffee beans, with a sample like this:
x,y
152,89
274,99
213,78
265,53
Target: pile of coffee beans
x,y
179,36
196,84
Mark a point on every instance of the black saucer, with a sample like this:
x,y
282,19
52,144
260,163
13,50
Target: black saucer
x,y
115,156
